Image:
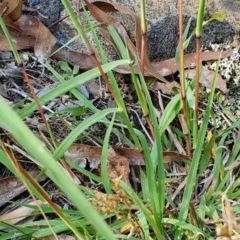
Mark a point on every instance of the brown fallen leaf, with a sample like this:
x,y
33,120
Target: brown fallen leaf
x,y
44,40
207,77
81,154
169,66
20,39
84,61
40,38
11,187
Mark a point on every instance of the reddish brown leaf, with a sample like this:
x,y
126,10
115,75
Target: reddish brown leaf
x,y
169,66
21,40
40,38
84,61
44,38
80,154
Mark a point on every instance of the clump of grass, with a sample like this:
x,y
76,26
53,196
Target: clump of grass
x,y
120,212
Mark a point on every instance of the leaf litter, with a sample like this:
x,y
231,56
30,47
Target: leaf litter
x,y
29,33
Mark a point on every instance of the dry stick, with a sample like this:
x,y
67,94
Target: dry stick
x,y
28,9
43,116
58,21
182,75
20,65
36,101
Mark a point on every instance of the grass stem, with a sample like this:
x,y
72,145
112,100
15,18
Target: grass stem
x,y
182,76
198,48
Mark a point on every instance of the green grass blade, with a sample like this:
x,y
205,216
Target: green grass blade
x,y
192,176
67,86
148,215
104,159
67,142
11,122
170,112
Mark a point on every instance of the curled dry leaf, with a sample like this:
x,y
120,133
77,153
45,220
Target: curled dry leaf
x,y
26,31
44,40
14,9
